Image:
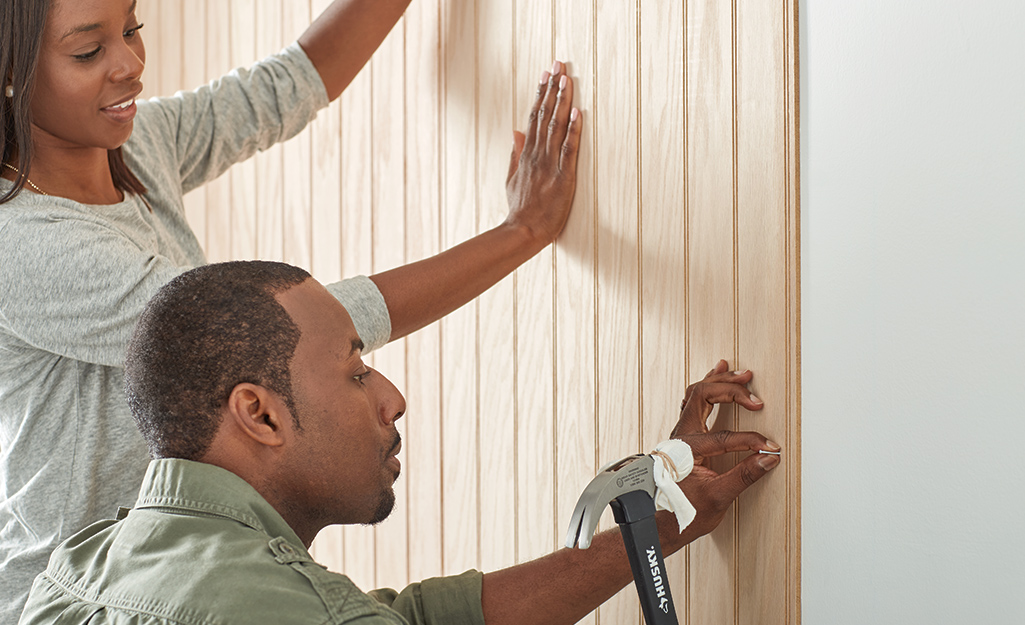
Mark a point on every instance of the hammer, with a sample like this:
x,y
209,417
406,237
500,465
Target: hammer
x,y
629,487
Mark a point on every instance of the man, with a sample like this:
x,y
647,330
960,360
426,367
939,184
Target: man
x,y
247,382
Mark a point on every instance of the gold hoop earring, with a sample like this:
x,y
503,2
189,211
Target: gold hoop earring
x,y
10,91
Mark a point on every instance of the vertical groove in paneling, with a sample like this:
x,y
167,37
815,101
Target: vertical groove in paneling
x,y
482,521
688,370
735,514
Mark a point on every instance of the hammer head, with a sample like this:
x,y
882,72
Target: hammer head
x,y
633,473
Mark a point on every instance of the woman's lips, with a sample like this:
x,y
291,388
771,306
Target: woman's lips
x,y
123,112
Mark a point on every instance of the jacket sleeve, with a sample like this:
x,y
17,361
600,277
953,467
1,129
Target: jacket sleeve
x,y
438,601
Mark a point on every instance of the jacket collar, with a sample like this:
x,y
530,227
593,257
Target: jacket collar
x,y
208,490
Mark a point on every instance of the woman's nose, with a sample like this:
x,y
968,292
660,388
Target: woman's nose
x,y
130,63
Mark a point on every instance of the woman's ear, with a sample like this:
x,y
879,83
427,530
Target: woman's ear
x,y
258,413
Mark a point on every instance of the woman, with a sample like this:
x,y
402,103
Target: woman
x,y
92,223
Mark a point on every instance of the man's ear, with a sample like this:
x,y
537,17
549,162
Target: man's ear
x,y
259,414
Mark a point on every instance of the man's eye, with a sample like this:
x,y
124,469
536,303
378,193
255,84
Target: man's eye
x,y
359,378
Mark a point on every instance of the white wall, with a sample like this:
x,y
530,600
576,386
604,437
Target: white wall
x,y
913,208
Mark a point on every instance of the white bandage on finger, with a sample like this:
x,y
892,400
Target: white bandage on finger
x,y
674,461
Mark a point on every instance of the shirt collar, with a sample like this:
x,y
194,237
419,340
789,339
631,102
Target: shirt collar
x,y
205,489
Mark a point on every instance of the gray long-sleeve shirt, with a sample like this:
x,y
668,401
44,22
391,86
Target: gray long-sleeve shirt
x,y
73,280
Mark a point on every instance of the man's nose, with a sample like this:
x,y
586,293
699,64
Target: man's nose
x,y
391,405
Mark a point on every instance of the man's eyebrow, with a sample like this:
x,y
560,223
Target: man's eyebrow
x,y
90,27
357,346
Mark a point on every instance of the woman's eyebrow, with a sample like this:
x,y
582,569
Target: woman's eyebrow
x,y
90,27
81,29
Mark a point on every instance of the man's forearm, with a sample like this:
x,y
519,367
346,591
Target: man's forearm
x,y
420,293
345,36
565,586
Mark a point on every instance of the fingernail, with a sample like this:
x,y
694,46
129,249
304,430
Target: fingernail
x,y
755,399
562,82
556,68
573,115
768,462
772,445
740,372
544,78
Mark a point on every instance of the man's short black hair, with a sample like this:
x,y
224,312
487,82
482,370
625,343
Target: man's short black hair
x,y
202,334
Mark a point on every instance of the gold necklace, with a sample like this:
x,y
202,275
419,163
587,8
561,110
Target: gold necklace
x,y
30,183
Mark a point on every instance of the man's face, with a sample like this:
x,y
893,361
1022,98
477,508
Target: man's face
x,y
90,66
341,464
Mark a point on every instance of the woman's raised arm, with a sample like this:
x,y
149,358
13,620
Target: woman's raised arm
x,y
343,38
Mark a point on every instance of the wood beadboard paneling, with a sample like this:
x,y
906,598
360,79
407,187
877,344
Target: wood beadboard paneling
x,y
682,248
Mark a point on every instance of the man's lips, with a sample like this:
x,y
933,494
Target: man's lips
x,y
393,452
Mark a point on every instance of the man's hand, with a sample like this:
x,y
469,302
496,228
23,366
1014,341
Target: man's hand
x,y
543,168
564,586
709,492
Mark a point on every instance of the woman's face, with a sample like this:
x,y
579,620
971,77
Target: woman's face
x,y
90,65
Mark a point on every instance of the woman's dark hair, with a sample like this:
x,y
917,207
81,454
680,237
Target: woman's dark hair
x,y
21,34
203,333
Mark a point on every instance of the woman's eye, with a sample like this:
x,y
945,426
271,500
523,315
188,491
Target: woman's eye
x,y
132,31
88,55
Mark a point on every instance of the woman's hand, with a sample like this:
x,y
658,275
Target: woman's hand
x,y
543,168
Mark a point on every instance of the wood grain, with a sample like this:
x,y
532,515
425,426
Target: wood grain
x,y
494,310
460,446
762,278
535,324
576,284
620,389
711,275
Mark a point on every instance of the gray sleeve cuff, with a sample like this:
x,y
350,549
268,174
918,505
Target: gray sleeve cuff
x,y
304,67
367,308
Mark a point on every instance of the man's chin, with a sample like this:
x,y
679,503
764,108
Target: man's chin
x,y
384,508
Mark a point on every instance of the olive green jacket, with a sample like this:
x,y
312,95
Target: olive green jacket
x,y
202,546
